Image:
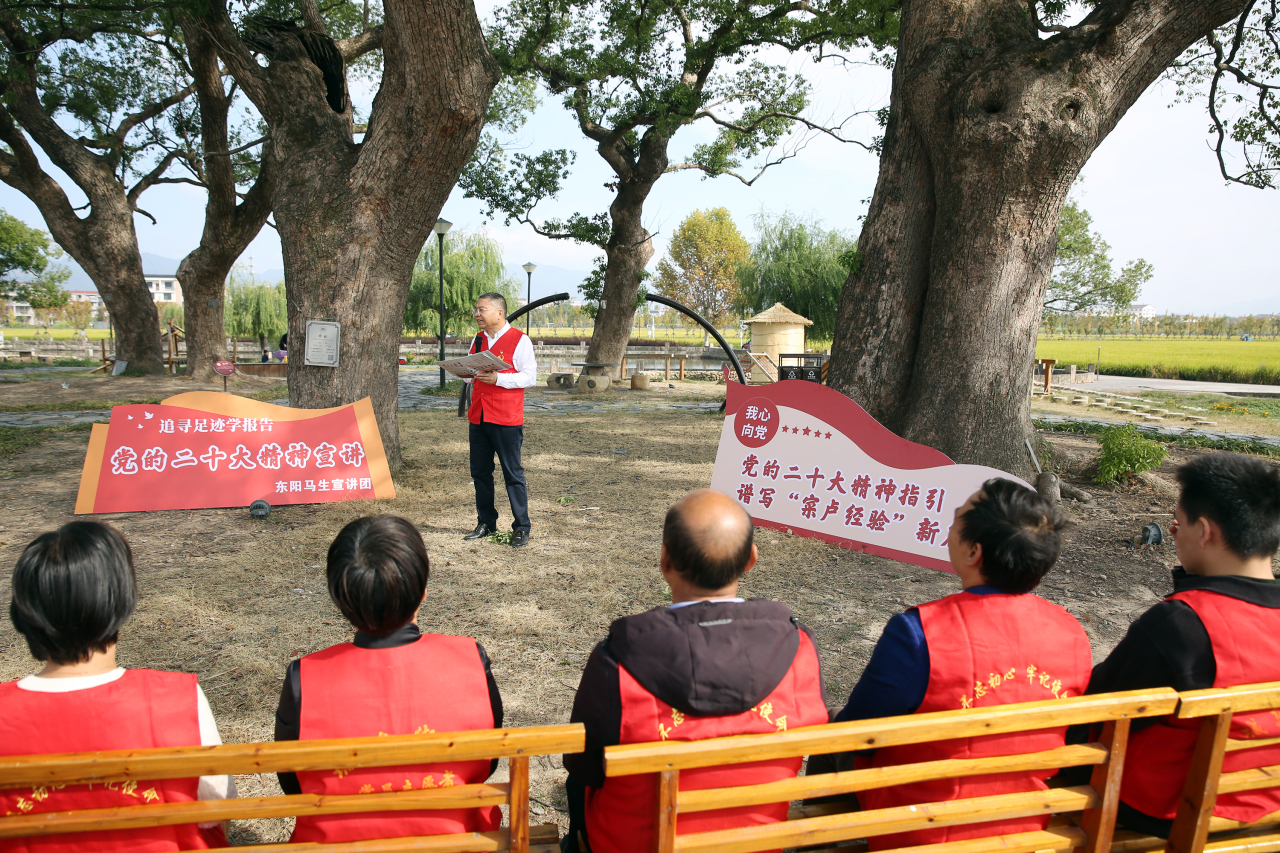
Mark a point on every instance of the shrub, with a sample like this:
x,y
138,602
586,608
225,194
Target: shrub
x,y
1126,453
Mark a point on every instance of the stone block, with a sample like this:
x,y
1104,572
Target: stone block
x,y
594,384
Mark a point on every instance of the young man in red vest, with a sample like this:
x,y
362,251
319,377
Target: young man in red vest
x,y
992,643
497,419
1217,629
73,589
392,680
710,664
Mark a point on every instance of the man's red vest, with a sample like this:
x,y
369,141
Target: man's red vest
x,y
436,684
986,650
490,403
1244,649
141,709
620,816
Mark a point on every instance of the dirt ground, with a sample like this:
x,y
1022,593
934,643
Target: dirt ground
x,y
234,600
45,391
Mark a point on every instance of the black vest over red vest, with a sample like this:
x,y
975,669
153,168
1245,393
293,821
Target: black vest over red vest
x,y
986,650
620,816
491,403
436,684
1243,637
140,710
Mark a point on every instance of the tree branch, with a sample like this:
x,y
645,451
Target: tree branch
x,y
751,128
357,46
151,177
128,123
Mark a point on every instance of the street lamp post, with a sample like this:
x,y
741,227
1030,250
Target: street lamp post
x,y
441,228
529,268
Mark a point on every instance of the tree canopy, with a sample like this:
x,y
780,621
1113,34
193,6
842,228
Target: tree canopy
x,y
473,265
1083,278
27,251
800,264
702,263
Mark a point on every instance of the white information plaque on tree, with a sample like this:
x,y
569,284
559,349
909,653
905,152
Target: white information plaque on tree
x,y
322,343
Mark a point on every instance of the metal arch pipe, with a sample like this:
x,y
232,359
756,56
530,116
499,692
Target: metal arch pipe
x,y
546,300
661,300
696,317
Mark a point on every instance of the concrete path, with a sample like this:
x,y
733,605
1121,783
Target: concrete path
x,y
1271,440
1134,384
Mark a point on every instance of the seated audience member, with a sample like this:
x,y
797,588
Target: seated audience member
x,y
710,664
391,680
72,591
1217,629
992,643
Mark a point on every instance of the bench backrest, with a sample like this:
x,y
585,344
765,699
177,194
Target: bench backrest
x,y
517,745
1205,780
1098,800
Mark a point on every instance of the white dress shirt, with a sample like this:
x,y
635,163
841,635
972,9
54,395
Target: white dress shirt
x,y
210,787
526,375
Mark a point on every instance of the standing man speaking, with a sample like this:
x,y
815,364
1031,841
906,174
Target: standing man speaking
x,y
497,418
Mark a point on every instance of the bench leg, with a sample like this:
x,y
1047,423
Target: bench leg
x,y
1200,792
1100,822
668,793
519,812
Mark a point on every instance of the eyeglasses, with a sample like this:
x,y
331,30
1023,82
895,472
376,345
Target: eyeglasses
x,y
479,310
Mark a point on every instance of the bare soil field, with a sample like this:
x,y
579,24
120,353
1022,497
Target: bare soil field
x,y
234,599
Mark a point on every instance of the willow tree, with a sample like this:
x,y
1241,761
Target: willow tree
x,y
633,75
995,107
473,265
353,216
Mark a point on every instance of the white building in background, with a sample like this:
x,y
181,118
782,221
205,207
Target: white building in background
x,y
164,288
93,297
1143,311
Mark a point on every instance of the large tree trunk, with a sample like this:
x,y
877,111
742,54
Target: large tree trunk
x,y
630,246
228,227
353,217
989,126
104,243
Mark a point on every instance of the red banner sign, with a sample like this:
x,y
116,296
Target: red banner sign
x,y
205,449
804,458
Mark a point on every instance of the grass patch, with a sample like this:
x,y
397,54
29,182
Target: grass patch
x,y
502,538
77,405
10,364
451,388
1186,442
1252,362
14,440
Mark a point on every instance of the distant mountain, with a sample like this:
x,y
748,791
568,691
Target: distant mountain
x,y
548,280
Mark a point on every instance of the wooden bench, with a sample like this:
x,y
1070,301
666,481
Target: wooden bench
x,y
1090,831
1195,829
517,745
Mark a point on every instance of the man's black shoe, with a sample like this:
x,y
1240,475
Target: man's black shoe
x,y
482,531
519,538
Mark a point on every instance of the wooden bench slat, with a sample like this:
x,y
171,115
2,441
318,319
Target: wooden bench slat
x,y
1249,780
828,784
1128,841
821,830
288,756
1225,824
1215,700
462,842
1234,744
1257,842
630,759
251,808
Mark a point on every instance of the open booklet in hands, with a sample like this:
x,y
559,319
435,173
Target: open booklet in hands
x,y
469,365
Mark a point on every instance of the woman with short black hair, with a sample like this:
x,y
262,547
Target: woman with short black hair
x,y
73,589
390,680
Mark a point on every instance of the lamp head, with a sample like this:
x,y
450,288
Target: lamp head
x,y
529,267
442,226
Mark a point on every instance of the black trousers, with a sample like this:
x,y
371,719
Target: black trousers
x,y
505,441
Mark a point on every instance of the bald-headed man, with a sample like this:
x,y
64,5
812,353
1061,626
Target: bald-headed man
x,y
710,664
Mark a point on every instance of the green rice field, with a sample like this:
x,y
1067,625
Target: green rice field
x,y
1206,361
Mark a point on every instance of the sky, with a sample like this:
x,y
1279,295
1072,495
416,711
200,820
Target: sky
x,y
1152,187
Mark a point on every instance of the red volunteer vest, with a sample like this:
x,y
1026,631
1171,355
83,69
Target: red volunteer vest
x,y
436,684
986,650
140,710
620,815
489,403
1159,755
